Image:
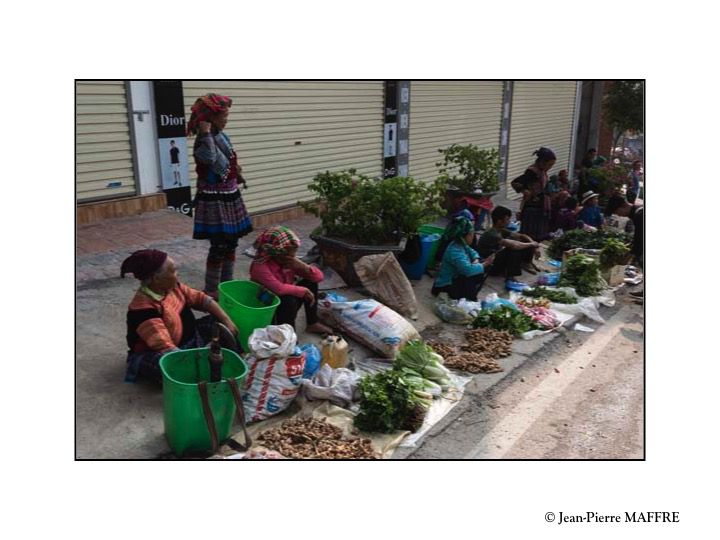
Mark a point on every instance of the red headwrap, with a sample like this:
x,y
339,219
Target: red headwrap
x,y
143,263
205,108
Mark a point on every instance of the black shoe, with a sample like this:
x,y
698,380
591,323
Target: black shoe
x,y
637,294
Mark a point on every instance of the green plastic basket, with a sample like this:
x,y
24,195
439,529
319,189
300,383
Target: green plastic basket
x,y
185,425
240,300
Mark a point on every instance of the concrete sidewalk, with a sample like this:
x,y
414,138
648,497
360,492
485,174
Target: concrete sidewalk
x,y
120,420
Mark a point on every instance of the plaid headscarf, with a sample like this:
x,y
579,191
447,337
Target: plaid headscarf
x,y
205,108
274,242
458,228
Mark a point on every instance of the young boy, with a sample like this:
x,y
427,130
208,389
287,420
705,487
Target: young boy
x,y
514,251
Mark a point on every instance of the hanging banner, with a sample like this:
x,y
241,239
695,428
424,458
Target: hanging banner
x,y
172,143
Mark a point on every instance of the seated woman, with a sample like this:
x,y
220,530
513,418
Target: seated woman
x,y
515,251
160,317
277,268
567,219
590,213
461,273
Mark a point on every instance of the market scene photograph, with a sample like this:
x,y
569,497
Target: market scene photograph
x,y
359,269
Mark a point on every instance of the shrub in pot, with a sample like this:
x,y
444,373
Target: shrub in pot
x,y
467,169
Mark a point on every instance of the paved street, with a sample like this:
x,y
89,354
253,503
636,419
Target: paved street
x,y
591,407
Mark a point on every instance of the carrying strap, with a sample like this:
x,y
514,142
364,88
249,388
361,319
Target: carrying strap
x,y
210,419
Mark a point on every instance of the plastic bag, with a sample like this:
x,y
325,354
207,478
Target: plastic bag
x,y
384,279
272,341
370,323
339,386
493,301
548,278
272,385
449,311
312,360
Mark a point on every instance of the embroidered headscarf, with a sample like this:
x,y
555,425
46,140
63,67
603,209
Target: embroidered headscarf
x,y
458,228
276,241
205,108
144,263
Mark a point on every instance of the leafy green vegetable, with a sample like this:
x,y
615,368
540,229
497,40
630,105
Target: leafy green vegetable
x,y
559,297
505,318
613,253
584,239
389,401
583,274
419,357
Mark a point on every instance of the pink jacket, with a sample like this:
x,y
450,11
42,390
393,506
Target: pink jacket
x,y
280,280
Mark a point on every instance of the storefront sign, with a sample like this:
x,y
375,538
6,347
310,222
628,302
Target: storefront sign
x,y
172,144
395,143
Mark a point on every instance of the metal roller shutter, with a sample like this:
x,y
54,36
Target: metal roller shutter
x,y
285,132
103,151
542,114
448,112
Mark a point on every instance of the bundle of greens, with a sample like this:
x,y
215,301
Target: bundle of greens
x,y
559,297
417,360
505,318
579,238
613,253
390,401
583,274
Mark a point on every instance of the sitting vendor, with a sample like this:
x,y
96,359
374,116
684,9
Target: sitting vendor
x,y
462,273
590,213
515,251
160,317
277,268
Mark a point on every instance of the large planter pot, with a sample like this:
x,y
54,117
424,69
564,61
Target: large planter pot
x,y
341,255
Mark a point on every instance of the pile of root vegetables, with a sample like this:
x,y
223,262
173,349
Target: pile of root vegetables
x,y
481,352
310,438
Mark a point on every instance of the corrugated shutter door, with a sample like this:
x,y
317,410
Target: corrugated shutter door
x,y
103,152
443,113
338,125
542,115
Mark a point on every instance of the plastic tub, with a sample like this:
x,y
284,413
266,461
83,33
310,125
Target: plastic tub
x,y
432,229
241,300
417,269
185,425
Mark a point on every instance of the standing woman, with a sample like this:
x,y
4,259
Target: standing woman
x,y
536,205
220,214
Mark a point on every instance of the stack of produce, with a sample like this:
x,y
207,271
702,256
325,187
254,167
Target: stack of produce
x,y
614,252
472,362
533,302
489,342
583,274
310,438
541,316
391,400
417,359
554,295
504,318
441,348
584,239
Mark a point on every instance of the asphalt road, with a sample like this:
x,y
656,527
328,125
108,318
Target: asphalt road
x,y
580,397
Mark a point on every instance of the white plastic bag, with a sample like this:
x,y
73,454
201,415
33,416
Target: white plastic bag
x,y
339,386
449,311
370,323
275,372
272,341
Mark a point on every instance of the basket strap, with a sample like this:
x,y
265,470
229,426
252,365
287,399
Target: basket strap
x,y
240,412
209,418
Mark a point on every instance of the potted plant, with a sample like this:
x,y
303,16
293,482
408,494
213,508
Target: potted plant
x,y
362,216
468,170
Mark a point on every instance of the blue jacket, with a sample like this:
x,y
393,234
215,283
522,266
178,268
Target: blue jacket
x,y
591,215
457,261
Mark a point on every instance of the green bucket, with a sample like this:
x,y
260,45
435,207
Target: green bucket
x,y
431,229
185,426
240,300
